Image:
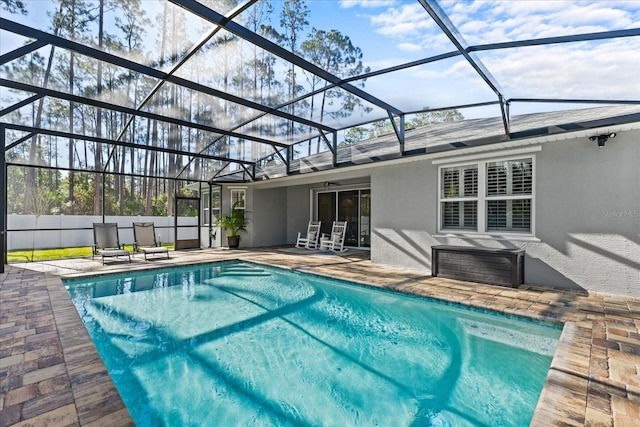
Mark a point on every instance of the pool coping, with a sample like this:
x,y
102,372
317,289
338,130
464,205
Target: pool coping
x,y
593,377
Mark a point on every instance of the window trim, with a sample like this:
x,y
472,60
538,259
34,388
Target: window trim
x,y
482,198
460,198
208,206
244,197
205,197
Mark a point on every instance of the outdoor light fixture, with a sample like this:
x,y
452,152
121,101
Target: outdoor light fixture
x,y
602,138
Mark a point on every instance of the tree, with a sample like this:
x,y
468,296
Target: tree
x,y
70,20
355,134
97,187
383,127
177,32
132,23
293,20
14,6
425,118
260,67
335,53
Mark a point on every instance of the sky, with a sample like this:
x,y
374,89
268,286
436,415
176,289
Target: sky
x,y
392,32
401,31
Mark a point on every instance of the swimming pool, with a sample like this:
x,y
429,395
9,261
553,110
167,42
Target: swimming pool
x,y
242,344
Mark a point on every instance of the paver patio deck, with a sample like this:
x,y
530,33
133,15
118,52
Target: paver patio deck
x,y
52,375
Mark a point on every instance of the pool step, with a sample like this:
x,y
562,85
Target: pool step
x,y
242,270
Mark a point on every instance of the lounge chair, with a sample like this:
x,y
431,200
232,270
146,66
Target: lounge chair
x,y
106,242
335,241
144,234
310,240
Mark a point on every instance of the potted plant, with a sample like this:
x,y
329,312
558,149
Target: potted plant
x,y
233,224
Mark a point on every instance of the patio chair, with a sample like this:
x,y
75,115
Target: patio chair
x,y
310,240
335,241
144,234
106,242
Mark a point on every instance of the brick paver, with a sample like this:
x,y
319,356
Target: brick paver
x,y
51,374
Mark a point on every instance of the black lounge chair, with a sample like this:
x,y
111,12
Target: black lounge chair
x,y
144,234
106,242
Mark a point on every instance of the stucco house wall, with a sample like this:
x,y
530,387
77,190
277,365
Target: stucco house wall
x,y
587,216
269,222
276,213
586,211
280,209
298,211
246,238
403,207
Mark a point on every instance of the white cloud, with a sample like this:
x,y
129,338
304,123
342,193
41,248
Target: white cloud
x,y
406,21
588,70
600,70
481,22
409,47
606,69
490,22
473,27
382,63
408,26
347,4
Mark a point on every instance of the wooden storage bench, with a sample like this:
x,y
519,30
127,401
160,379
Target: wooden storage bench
x,y
483,265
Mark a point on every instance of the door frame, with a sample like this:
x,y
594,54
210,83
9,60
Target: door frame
x,y
186,243
313,203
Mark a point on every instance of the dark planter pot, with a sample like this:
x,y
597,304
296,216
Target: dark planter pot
x,y
233,242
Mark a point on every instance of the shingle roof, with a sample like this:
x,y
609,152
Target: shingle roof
x,y
464,134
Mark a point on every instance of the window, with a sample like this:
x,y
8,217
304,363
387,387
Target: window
x,y
238,199
205,208
214,208
215,204
504,204
509,193
459,195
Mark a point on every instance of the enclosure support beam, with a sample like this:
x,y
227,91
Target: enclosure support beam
x,y
577,101
399,130
3,199
19,105
334,143
21,51
126,110
447,27
251,172
326,141
504,110
61,134
102,197
100,55
219,172
210,213
233,27
279,154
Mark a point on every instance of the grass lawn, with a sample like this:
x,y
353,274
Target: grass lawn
x,y
58,253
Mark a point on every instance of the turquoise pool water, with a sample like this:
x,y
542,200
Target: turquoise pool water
x,y
237,344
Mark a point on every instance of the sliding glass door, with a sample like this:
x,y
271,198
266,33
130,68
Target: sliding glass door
x,y
352,206
348,208
365,218
326,211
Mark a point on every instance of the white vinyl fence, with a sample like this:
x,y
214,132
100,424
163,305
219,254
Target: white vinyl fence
x,y
67,231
